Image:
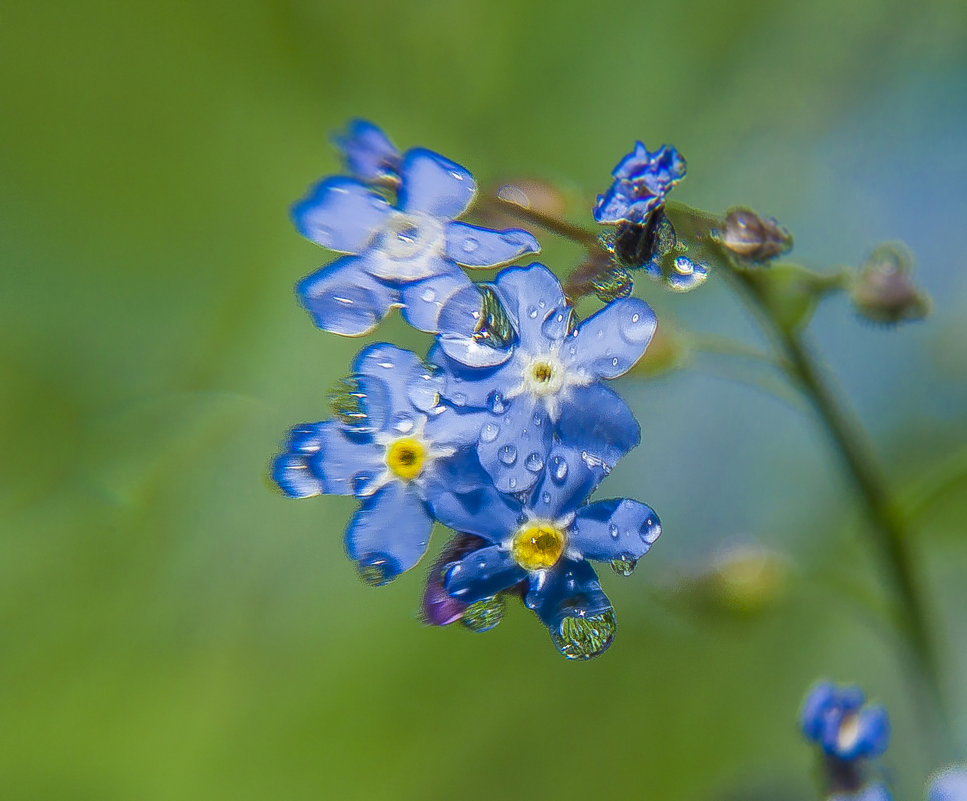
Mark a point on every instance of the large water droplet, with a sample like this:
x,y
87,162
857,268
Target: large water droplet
x,y
613,531
624,565
532,312
489,432
493,327
534,462
496,402
484,614
651,531
507,455
428,295
377,570
585,637
558,469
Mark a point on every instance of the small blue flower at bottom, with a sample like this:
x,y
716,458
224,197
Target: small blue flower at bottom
x,y
542,541
389,457
844,726
949,785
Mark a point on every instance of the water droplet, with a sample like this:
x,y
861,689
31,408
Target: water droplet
x,y
613,531
496,402
558,469
484,614
635,317
585,637
651,531
507,455
538,420
457,175
489,432
624,565
545,497
532,312
359,482
459,399
377,570
614,362
428,295
470,244
512,483
534,462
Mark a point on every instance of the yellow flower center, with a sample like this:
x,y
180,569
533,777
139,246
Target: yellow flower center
x,y
405,458
542,372
538,546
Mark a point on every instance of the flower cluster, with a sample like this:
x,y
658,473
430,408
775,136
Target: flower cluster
x,y
502,432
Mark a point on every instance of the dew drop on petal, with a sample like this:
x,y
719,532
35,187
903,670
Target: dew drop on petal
x,y
496,402
470,244
585,637
428,295
532,312
624,565
489,432
484,614
545,497
651,531
507,455
534,462
512,483
459,398
558,469
613,531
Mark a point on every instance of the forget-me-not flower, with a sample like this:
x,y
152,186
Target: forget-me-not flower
x,y
641,182
389,456
543,540
548,382
949,785
844,726
368,153
404,255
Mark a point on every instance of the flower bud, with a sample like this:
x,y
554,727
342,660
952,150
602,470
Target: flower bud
x,y
882,290
752,238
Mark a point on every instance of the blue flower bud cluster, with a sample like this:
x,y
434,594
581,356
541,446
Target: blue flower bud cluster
x,y
507,426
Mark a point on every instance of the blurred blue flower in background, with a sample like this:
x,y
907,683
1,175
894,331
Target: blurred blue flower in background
x,y
838,719
949,785
872,792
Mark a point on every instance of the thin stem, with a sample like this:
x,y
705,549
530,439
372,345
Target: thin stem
x,y
555,225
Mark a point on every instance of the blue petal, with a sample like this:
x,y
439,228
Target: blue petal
x,y
569,589
609,343
459,473
481,574
483,247
409,387
423,299
872,738
291,469
434,185
470,387
614,529
535,302
485,512
596,421
344,298
460,331
949,785
368,153
565,485
347,465
390,531
513,446
340,214
812,719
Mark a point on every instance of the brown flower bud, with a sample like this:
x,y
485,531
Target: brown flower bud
x,y
883,291
752,238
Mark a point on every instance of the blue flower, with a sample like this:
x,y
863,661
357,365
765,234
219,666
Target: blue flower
x,y
388,455
368,153
872,792
642,180
541,541
949,785
403,255
839,721
548,382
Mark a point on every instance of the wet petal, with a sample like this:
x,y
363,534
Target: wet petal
x,y
340,214
569,589
408,387
513,446
481,574
390,532
483,247
535,301
468,386
458,473
609,343
368,153
344,298
439,609
597,422
614,529
464,334
565,484
485,512
291,469
434,184
347,465
423,300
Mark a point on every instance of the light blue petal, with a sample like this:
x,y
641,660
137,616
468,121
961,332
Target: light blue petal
x,y
614,529
609,343
291,469
812,718
569,589
485,512
481,574
434,185
390,532
566,483
410,387
471,387
513,446
462,334
459,473
344,298
340,214
949,785
346,464
423,299
483,247
368,153
596,421
535,302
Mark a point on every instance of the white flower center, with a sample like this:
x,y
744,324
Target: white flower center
x,y
543,375
408,246
849,732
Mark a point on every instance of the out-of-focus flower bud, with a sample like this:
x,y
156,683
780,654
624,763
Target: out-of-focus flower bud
x,y
883,291
741,580
439,608
753,238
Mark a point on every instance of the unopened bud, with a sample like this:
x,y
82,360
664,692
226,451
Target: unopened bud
x,y
752,238
882,290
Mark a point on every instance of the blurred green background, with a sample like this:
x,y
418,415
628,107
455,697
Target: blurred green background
x,y
172,629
